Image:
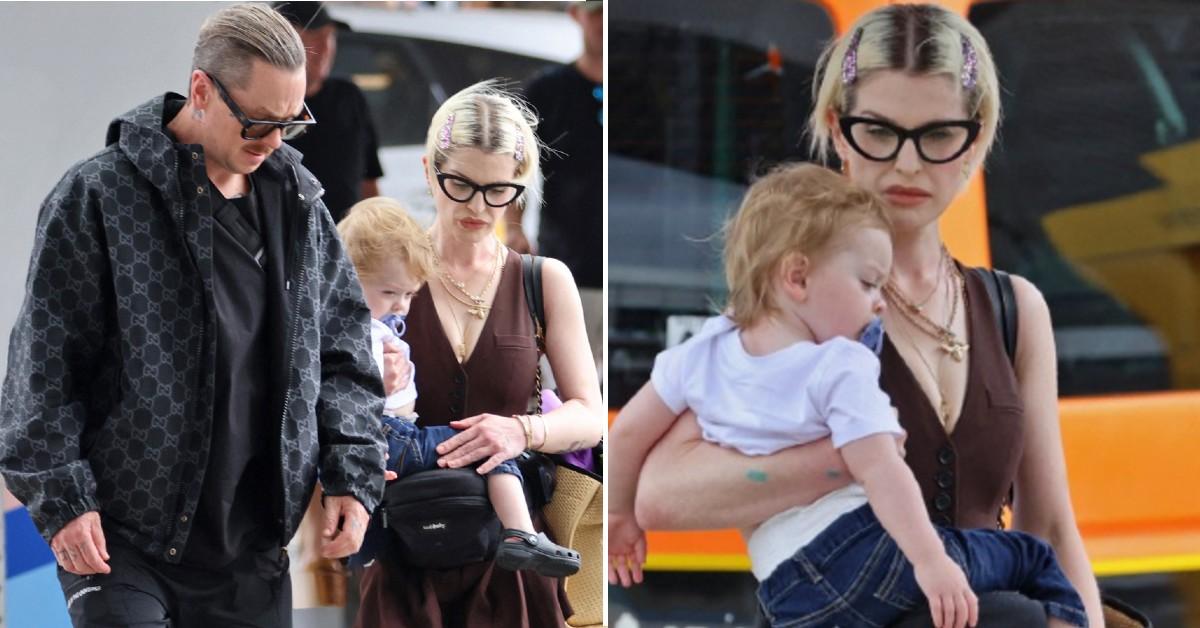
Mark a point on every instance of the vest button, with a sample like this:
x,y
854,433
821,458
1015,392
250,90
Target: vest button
x,y
942,519
945,479
942,502
945,455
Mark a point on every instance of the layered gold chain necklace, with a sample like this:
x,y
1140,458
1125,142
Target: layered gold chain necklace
x,y
947,340
477,305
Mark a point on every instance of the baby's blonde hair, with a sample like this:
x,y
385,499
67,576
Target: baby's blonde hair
x,y
378,229
795,208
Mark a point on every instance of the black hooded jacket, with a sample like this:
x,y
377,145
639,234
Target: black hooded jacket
x,y
108,399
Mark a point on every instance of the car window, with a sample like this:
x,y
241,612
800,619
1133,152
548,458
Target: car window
x,y
698,109
1092,192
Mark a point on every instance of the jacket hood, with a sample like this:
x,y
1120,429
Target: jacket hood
x,y
139,134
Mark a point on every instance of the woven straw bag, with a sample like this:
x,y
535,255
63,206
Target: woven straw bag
x,y
576,517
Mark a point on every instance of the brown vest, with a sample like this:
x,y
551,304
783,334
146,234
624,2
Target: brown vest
x,y
964,476
496,378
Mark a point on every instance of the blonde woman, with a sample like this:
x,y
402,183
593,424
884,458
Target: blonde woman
x,y
909,100
472,335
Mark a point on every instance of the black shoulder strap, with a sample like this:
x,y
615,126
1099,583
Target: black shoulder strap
x,y
531,267
1004,306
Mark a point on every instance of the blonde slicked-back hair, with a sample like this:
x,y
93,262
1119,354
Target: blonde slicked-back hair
x,y
920,39
493,120
233,37
378,229
796,208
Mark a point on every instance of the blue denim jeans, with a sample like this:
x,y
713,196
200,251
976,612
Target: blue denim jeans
x,y
413,448
854,575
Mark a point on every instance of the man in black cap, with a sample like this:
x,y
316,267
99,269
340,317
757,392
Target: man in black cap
x,y
343,150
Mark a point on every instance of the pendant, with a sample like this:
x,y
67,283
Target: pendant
x,y
477,311
957,350
462,352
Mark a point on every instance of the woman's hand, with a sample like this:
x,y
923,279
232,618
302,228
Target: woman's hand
x,y
487,437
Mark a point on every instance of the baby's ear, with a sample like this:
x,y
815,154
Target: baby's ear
x,y
794,273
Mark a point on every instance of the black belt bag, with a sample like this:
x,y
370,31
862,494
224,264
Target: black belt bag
x,y
441,518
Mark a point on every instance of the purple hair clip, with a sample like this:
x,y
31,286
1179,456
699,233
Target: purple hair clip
x,y
444,134
970,64
850,60
519,147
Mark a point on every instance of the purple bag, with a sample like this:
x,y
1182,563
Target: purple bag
x,y
582,458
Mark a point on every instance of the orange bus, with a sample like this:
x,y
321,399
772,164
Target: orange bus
x,y
1092,193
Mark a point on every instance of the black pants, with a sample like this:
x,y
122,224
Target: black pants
x,y
142,592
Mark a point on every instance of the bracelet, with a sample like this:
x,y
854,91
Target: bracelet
x,y
523,419
545,430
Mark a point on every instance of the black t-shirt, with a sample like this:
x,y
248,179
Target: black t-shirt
x,y
236,512
572,224
342,148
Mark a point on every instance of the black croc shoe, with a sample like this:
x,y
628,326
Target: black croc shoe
x,y
535,552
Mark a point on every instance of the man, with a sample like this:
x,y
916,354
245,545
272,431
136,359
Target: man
x,y
569,99
343,151
192,347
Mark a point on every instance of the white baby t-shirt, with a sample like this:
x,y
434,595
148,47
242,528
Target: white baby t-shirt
x,y
761,404
381,333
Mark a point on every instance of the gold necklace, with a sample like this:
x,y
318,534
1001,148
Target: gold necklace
x,y
943,406
461,350
948,341
477,305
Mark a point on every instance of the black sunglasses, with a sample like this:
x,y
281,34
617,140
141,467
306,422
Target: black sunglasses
x,y
937,142
257,129
462,190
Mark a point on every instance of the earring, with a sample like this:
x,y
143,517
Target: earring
x,y
845,168
198,114
966,170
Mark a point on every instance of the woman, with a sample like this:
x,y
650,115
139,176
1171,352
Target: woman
x,y
909,101
472,341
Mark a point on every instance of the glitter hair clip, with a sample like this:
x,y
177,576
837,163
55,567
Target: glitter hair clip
x,y
850,60
519,147
970,64
444,134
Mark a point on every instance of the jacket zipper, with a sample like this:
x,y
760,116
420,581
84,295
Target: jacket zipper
x,y
294,332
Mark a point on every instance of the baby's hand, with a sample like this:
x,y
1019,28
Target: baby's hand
x,y
626,549
951,601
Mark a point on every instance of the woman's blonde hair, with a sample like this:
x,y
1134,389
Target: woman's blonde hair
x,y
920,39
795,208
493,120
378,229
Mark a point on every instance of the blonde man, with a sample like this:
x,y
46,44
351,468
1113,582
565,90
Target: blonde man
x,y
192,349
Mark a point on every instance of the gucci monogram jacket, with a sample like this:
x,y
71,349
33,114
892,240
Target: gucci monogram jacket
x,y
107,402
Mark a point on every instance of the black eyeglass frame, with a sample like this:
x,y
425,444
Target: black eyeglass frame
x,y
476,188
846,123
290,129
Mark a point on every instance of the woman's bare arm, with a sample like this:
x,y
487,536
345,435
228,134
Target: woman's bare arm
x,y
689,483
1043,502
579,423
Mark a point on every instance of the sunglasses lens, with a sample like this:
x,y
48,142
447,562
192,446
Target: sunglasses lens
x,y
294,131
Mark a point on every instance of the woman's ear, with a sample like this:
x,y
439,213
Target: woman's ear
x,y
840,147
793,272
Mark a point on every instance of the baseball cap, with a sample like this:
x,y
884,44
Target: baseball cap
x,y
307,15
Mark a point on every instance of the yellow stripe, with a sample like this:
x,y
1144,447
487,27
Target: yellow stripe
x,y
735,562
1155,564
698,562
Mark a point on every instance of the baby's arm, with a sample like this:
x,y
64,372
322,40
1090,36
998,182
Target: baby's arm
x,y
640,424
896,501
